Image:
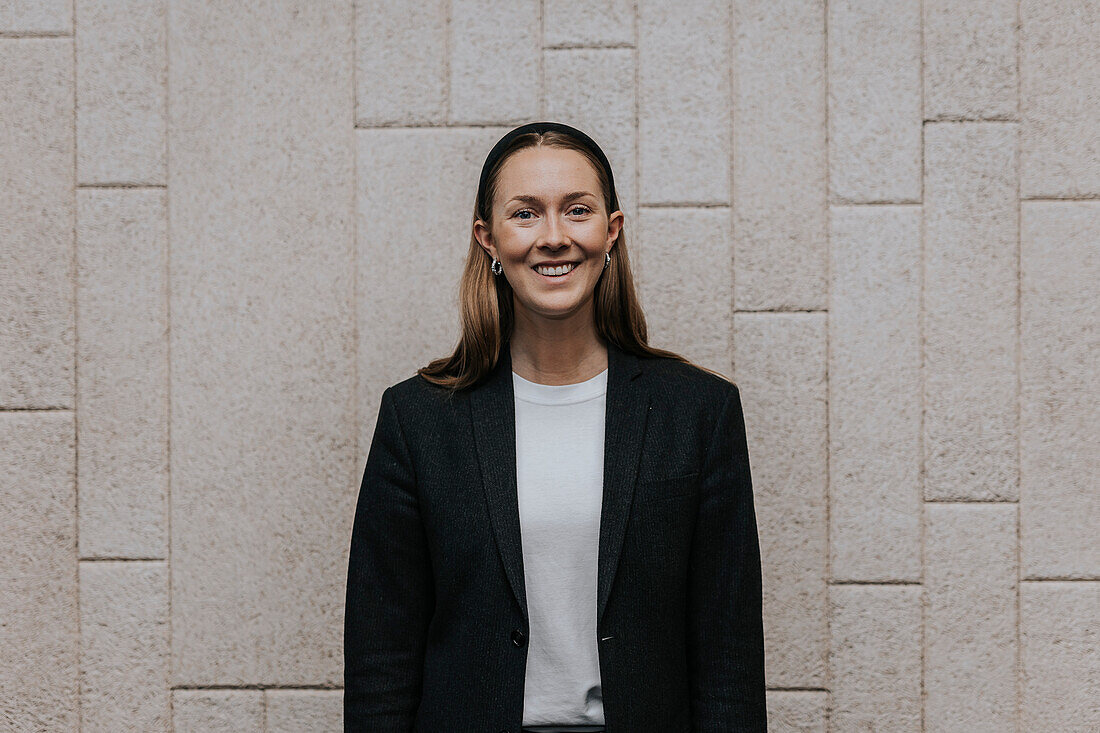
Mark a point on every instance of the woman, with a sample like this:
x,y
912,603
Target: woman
x,y
555,529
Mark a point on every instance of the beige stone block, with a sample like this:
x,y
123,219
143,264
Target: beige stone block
x,y
262,412
875,659
970,619
218,711
295,711
602,106
874,393
970,60
36,222
970,296
122,372
797,711
416,191
682,274
400,63
684,102
607,23
779,165
39,631
1059,106
121,112
779,365
36,16
494,72
874,102
1060,389
124,647
1060,667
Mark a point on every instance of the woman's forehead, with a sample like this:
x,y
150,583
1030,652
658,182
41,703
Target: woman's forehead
x,y
545,171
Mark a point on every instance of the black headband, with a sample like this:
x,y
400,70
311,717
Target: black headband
x,y
502,145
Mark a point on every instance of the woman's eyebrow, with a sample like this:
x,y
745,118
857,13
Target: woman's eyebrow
x,y
526,198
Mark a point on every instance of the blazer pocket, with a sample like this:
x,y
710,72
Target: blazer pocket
x,y
663,489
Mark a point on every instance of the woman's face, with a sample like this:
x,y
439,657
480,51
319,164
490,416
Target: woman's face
x,y
548,209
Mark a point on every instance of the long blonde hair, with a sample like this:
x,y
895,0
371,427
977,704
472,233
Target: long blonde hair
x,y
487,308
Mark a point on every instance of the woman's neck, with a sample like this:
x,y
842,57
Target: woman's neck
x,y
563,360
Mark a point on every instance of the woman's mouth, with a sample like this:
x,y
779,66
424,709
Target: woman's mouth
x,y
558,272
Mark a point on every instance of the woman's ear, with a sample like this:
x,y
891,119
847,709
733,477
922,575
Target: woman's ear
x,y
614,226
484,238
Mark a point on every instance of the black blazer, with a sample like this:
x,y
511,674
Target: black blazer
x,y
436,623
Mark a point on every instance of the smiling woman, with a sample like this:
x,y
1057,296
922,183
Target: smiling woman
x,y
546,198
551,235
555,529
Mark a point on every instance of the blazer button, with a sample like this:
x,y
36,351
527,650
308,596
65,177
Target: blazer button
x,y
518,637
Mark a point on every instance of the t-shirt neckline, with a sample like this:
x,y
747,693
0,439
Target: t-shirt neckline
x,y
559,394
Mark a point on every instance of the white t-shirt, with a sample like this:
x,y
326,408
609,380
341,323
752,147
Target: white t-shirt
x,y
559,477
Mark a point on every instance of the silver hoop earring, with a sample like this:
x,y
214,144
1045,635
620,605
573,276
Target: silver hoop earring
x,y
608,260
496,267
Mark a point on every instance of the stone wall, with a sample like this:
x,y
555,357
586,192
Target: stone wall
x,y
225,227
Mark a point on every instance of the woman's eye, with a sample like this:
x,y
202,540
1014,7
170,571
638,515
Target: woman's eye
x,y
522,211
583,209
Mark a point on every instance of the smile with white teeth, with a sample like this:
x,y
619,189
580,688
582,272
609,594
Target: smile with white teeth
x,y
554,271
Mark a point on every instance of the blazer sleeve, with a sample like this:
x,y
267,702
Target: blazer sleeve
x,y
725,634
390,593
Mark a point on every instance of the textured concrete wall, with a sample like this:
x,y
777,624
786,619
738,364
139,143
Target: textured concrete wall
x,y
226,226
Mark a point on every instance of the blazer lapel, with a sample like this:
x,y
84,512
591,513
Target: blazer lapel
x,y
624,426
493,415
